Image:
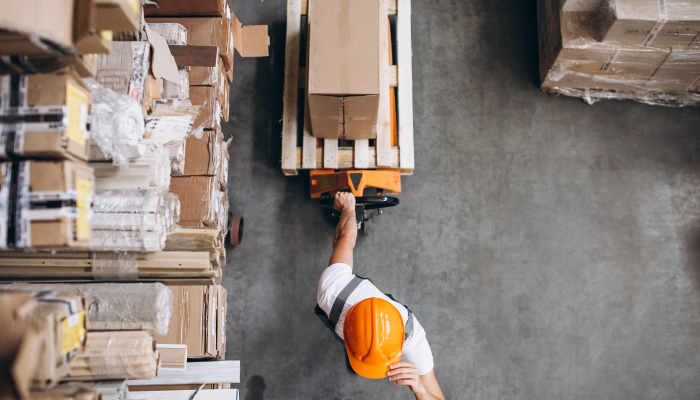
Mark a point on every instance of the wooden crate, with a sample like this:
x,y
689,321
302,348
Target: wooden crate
x,y
361,155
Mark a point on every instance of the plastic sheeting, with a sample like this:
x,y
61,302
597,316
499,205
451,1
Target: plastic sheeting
x,y
117,306
643,50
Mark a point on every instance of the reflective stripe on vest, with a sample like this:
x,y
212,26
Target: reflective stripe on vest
x,y
330,321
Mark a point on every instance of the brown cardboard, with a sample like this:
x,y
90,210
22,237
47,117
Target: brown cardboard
x,y
206,32
221,323
679,72
64,88
118,15
207,98
202,156
631,21
49,20
86,37
343,82
201,201
20,347
193,322
40,337
594,68
202,8
62,232
250,41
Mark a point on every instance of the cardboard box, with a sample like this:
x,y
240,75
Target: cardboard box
x,y
221,323
199,8
36,27
680,72
42,333
343,67
202,202
208,99
118,15
631,23
206,32
61,97
125,68
195,320
203,156
87,38
604,67
49,205
250,41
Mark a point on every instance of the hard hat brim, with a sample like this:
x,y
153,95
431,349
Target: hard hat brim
x,y
370,371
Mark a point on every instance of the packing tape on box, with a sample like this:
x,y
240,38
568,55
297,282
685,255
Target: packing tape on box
x,y
663,18
115,267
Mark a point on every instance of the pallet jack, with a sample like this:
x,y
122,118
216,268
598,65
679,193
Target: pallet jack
x,y
371,189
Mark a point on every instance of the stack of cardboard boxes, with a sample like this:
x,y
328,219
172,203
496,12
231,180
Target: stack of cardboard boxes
x,y
202,37
102,113
646,50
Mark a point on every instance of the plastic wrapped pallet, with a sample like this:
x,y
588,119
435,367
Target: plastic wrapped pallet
x,y
642,50
45,205
44,116
42,332
211,112
115,355
118,306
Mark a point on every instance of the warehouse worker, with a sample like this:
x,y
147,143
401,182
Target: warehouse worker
x,y
381,336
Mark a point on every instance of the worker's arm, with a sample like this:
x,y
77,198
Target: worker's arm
x,y
424,387
346,232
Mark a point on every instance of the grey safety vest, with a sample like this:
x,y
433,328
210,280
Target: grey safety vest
x,y
330,321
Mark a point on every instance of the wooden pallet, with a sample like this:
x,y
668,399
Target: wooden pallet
x,y
361,155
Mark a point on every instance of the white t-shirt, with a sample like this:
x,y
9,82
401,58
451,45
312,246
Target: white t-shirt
x,y
416,349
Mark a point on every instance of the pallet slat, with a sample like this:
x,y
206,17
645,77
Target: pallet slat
x,y
405,80
291,84
346,157
330,153
383,141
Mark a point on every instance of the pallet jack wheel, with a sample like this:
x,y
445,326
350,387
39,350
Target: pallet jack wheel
x,y
236,232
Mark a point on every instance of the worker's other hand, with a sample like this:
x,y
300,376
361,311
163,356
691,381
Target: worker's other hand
x,y
406,374
344,201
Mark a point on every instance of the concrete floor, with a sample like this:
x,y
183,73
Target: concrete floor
x,y
551,249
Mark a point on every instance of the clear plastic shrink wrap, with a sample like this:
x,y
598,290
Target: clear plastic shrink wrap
x,y
117,306
117,125
181,91
115,355
643,50
133,220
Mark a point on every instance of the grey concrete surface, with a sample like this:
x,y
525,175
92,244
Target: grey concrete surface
x,y
551,249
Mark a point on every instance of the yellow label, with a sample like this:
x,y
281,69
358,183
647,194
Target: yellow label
x,y
77,103
136,6
73,332
109,35
84,189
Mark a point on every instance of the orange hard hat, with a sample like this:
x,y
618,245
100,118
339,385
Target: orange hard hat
x,y
374,333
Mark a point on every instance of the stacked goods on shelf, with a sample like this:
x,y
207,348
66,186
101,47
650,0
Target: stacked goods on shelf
x,y
94,331
644,50
112,157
